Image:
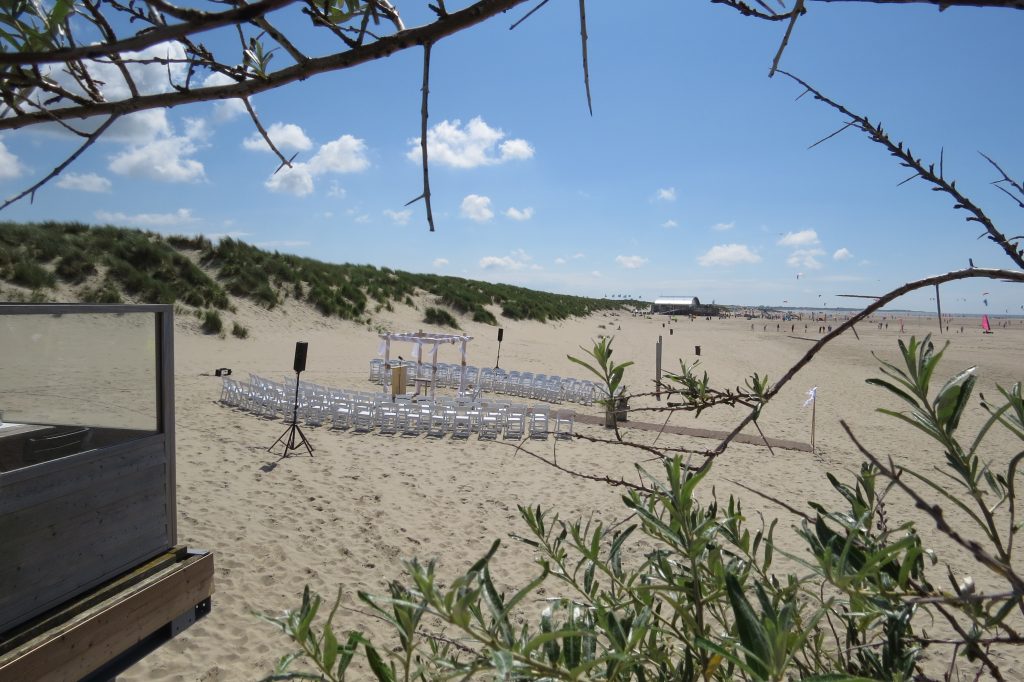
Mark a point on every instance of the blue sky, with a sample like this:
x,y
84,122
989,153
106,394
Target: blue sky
x,y
693,176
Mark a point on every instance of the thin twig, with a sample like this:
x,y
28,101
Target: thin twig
x,y
423,136
877,134
60,168
586,67
266,137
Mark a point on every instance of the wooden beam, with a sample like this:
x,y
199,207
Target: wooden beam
x,y
104,631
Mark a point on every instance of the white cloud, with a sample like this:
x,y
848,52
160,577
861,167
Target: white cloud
x,y
513,150
559,261
296,180
234,234
801,238
667,194
596,273
347,154
805,258
85,182
722,227
285,136
669,224
476,144
728,254
165,159
10,167
842,254
631,262
579,254
337,191
225,109
182,216
519,214
517,260
440,262
476,207
399,217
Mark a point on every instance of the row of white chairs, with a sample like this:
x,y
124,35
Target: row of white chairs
x,y
363,411
552,389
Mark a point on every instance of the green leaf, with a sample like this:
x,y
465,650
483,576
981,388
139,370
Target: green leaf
x,y
949,404
752,633
330,647
377,665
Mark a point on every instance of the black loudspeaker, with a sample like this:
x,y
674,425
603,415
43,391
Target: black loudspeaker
x,y
501,333
301,348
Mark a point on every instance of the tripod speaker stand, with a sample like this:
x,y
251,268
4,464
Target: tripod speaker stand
x,y
293,437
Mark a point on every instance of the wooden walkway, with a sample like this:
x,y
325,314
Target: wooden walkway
x,y
700,433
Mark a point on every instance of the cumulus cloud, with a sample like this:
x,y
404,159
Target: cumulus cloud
x,y
287,137
519,214
399,217
476,207
842,254
10,167
517,260
449,143
728,254
805,258
84,182
347,154
667,194
669,224
801,238
559,261
182,216
722,227
440,262
296,180
165,159
631,262
225,109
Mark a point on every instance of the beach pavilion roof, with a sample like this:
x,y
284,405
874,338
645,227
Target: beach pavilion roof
x,y
677,301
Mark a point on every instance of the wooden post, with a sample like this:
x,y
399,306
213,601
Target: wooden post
x,y
462,376
938,306
387,364
433,372
657,370
814,406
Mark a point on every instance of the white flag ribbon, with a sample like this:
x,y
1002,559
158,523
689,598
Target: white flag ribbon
x,y
811,395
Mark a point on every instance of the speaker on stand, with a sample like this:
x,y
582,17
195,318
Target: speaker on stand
x,y
293,437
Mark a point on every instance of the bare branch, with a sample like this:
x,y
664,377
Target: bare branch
x,y
586,68
60,168
266,137
423,136
876,133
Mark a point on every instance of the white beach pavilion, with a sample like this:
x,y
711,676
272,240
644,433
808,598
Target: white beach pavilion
x,y
433,342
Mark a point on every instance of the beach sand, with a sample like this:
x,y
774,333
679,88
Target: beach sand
x,y
349,515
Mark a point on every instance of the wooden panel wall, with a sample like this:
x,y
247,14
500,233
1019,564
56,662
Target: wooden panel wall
x,y
70,524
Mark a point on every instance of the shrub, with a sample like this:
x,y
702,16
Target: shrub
x,y
440,317
238,331
107,292
75,267
29,274
212,324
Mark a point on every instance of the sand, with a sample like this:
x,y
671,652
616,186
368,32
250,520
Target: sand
x,y
349,515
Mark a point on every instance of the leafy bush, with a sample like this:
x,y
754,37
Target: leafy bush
x,y
104,293
212,324
238,331
440,317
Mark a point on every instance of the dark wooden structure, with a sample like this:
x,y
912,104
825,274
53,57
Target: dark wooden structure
x,y
87,486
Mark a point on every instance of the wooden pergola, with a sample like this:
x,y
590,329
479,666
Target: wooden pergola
x,y
419,340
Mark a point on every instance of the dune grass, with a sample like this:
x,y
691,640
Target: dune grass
x,y
111,264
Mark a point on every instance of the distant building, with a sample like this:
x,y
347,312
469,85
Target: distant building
x,y
676,305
